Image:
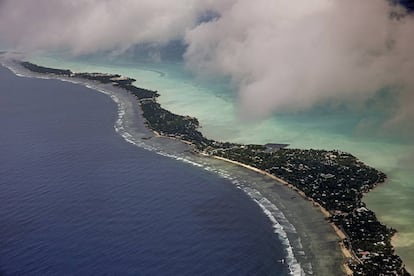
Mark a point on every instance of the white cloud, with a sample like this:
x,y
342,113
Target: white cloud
x,y
282,55
292,55
85,26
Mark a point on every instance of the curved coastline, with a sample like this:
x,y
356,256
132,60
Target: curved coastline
x,y
126,104
341,235
152,141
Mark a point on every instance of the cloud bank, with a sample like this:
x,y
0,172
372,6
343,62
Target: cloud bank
x,y
87,26
286,56
282,55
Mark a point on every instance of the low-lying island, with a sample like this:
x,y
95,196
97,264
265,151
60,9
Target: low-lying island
x,y
332,180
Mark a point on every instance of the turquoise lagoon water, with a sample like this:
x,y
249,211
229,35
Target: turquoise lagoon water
x,y
214,103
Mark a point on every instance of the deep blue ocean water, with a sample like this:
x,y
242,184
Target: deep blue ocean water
x,y
76,199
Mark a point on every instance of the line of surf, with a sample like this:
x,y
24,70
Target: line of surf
x,y
281,225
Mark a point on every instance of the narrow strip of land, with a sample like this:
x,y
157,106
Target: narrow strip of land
x,y
334,181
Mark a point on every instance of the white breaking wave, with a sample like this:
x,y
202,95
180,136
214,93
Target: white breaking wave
x,y
281,225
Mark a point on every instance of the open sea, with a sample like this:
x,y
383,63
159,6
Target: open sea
x,y
77,199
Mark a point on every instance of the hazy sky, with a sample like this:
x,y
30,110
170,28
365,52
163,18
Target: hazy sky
x,y
281,55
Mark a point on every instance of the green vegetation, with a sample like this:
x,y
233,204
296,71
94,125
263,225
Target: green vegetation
x,y
45,70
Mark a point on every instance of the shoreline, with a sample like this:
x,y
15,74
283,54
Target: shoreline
x,y
152,134
340,234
